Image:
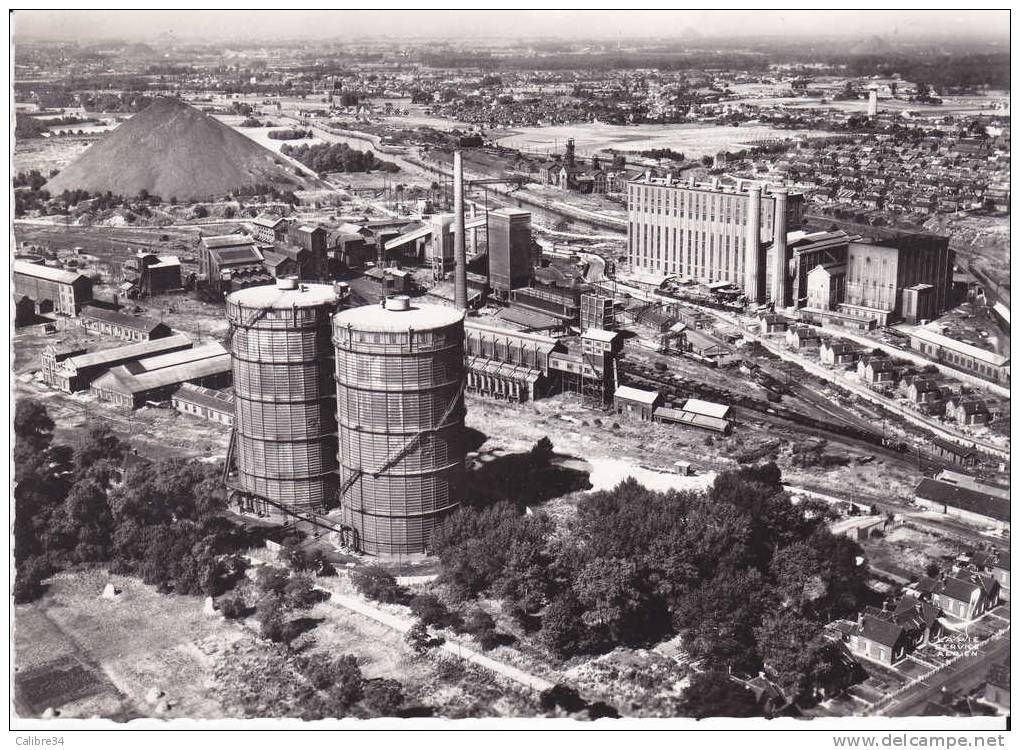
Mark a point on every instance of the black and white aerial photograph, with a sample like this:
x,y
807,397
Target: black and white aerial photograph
x,y
558,370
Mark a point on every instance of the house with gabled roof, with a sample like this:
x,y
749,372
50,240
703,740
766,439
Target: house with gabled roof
x,y
962,596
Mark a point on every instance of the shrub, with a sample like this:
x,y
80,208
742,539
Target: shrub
x,y
233,607
431,611
418,639
561,696
300,593
378,584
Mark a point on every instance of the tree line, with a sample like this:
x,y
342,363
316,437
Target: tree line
x,y
336,157
746,577
77,505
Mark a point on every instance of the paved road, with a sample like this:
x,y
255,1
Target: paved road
x,y
963,676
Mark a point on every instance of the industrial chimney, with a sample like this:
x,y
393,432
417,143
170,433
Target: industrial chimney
x,y
459,256
752,242
779,262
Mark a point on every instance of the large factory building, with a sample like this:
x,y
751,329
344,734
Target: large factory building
x,y
867,282
51,290
713,233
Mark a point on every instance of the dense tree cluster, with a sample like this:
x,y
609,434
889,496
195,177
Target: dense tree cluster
x,y
945,72
28,127
336,157
289,134
662,153
737,571
157,520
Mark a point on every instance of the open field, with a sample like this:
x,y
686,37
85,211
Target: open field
x,y
112,243
906,551
86,655
128,645
47,154
693,140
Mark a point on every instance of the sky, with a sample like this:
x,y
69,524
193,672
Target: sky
x,y
87,26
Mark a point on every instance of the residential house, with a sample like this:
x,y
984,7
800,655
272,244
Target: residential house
x,y
876,369
967,597
771,323
837,353
878,639
802,338
923,390
966,410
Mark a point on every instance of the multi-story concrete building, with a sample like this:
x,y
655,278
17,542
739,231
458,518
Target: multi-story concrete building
x,y
908,276
509,250
714,233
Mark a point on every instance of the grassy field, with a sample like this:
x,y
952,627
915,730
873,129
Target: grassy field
x,y
47,154
117,650
86,655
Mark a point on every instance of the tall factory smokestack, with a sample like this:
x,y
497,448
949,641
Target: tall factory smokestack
x,y
459,256
752,253
779,267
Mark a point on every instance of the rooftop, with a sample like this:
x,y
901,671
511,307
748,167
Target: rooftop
x,y
131,351
600,334
227,240
208,397
636,394
49,273
933,337
963,498
134,322
126,382
706,408
271,296
880,631
180,357
417,317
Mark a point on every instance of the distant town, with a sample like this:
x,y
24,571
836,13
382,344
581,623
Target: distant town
x,y
511,378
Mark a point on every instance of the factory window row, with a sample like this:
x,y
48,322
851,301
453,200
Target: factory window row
x,y
505,351
303,317
694,205
412,340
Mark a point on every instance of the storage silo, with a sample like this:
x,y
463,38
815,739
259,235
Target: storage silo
x,y
400,421
284,405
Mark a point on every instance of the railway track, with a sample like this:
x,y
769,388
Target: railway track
x,y
857,433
